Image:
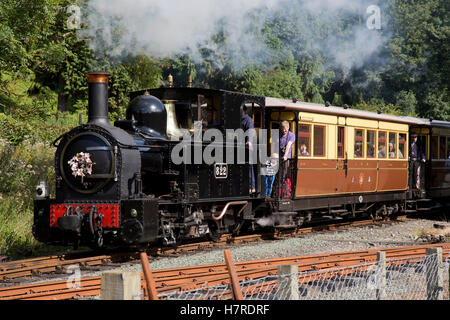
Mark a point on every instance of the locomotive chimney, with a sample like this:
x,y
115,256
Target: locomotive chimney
x,y
98,98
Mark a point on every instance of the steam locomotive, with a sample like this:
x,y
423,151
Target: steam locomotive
x,y
120,185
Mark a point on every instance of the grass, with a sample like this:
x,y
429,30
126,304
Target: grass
x,y
16,221
28,126
22,166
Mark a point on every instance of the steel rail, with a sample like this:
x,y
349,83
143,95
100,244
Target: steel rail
x,y
35,266
181,279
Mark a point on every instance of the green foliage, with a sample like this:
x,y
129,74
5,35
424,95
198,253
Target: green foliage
x,y
276,83
420,63
376,105
337,100
411,71
438,104
12,130
407,102
43,68
22,166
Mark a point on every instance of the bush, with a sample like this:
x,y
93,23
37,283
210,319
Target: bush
x,y
22,166
35,131
12,129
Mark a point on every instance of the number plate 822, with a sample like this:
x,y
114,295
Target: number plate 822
x,y
220,170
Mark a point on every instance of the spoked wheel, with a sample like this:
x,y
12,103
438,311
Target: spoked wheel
x,y
214,231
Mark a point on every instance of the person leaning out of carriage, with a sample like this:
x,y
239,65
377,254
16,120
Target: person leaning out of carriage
x,y
287,140
417,157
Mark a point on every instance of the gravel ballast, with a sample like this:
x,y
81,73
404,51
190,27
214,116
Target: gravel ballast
x,y
406,233
402,233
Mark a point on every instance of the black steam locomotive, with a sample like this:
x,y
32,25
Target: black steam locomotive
x,y
117,184
120,184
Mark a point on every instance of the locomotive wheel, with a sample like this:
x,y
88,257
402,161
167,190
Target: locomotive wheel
x,y
214,231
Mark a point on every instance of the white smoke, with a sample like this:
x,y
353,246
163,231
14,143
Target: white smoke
x,y
265,221
166,28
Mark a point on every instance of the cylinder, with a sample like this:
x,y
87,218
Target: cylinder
x,y
98,98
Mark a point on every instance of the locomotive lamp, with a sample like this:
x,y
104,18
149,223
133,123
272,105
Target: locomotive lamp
x,y
170,79
42,190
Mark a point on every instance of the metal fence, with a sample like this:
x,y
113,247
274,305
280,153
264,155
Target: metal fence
x,y
413,278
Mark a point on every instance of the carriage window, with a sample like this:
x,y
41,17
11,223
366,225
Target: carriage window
x,y
392,145
370,144
442,147
359,143
341,142
319,141
435,147
402,145
381,144
304,140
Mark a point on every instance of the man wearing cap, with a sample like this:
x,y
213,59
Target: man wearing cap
x,y
417,157
248,126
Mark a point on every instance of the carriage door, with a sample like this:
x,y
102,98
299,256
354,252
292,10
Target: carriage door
x,y
419,172
342,161
284,184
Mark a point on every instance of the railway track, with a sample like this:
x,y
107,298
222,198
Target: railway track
x,y
188,278
59,263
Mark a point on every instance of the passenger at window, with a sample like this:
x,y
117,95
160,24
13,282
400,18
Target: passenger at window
x,y
391,150
381,152
358,150
370,150
304,150
286,141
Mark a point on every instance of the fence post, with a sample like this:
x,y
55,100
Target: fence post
x,y
236,289
434,274
150,282
381,275
288,279
121,285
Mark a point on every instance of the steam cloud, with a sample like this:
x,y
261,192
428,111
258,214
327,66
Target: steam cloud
x,y
165,28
